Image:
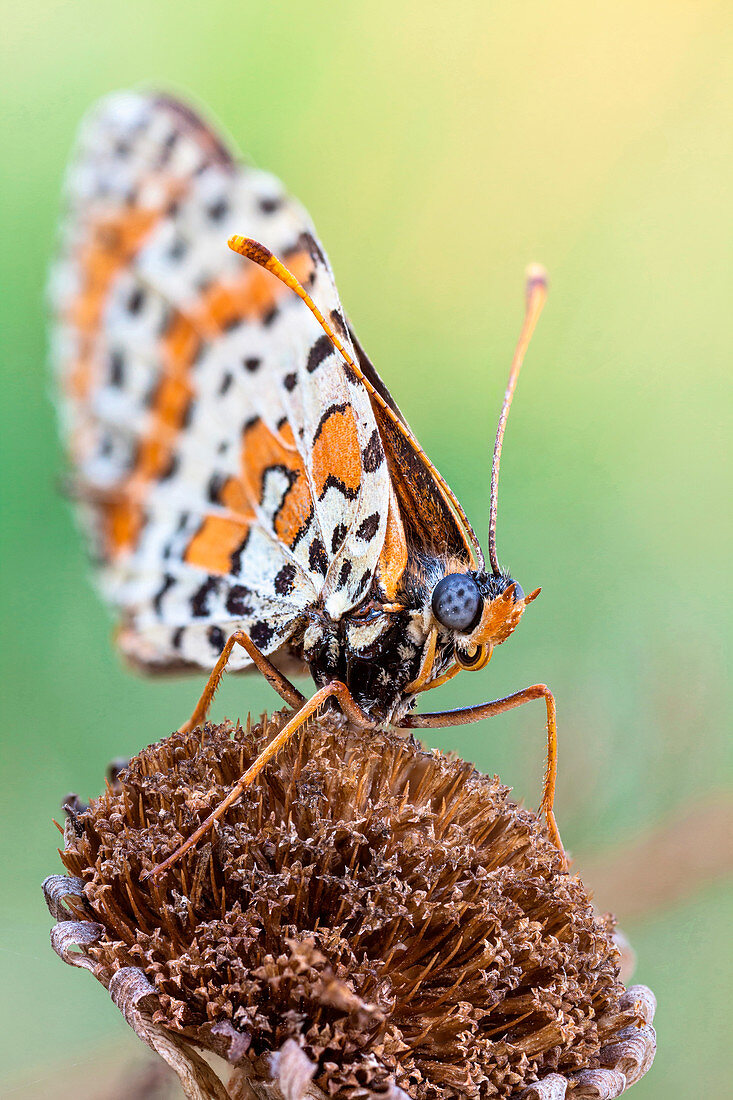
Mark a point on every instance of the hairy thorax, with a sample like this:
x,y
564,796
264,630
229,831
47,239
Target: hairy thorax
x,y
376,653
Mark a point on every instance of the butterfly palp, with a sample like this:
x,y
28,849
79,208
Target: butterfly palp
x,y
517,591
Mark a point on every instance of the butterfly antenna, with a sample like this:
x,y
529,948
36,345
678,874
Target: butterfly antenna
x,y
536,295
261,255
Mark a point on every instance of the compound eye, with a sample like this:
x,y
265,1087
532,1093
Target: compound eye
x,y
457,602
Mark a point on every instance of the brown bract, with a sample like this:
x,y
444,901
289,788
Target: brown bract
x,y
370,917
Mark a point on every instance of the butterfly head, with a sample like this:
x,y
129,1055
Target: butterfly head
x,y
479,610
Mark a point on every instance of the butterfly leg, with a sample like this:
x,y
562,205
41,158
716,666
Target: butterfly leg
x,y
463,715
335,690
274,677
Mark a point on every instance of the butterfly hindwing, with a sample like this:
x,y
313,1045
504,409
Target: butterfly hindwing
x,y
228,462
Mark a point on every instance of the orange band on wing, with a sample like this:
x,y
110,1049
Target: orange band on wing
x,y
219,538
393,558
114,242
122,520
215,542
336,451
263,450
249,295
180,345
233,496
294,512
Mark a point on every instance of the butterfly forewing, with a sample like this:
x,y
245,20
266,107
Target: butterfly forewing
x,y
226,459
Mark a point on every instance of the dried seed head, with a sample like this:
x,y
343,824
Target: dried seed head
x,y
369,915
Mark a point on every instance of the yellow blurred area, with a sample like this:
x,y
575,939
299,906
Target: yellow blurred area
x,y
439,149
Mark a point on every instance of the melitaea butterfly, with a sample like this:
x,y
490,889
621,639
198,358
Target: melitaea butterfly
x,y
253,493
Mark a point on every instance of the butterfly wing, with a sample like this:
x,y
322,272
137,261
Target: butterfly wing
x,y
229,469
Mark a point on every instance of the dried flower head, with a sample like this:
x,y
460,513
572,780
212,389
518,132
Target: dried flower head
x,y
370,917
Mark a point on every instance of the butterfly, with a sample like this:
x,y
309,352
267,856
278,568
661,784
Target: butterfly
x,y
253,495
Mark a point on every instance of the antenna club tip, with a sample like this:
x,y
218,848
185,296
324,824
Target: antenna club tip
x,y
253,250
536,278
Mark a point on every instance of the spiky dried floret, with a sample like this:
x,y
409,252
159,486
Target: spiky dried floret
x,y
389,909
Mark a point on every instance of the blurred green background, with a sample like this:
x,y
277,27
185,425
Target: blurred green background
x,y
439,148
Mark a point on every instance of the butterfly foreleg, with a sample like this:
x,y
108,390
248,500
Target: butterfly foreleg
x,y
274,677
335,690
464,715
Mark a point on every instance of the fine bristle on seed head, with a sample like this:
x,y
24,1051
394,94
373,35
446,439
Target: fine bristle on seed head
x,y
389,912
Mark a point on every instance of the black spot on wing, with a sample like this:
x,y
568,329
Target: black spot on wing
x,y
225,383
136,300
167,584
238,601
308,242
178,248
368,528
116,368
363,584
284,579
373,454
333,482
214,488
288,475
317,558
345,573
320,351
290,381
180,527
177,637
218,210
187,415
271,204
200,598
269,317
339,534
167,148
217,638
261,633
303,530
236,559
338,323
